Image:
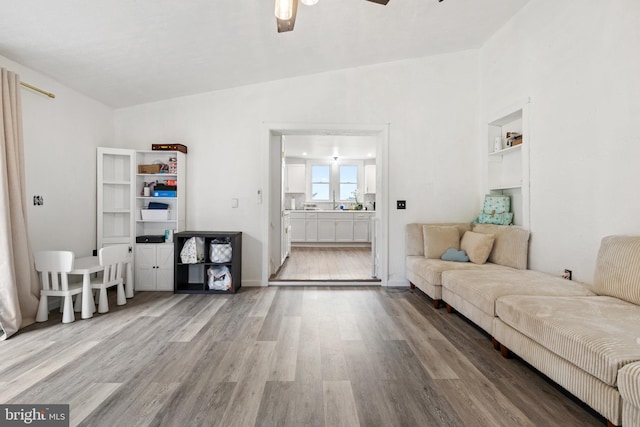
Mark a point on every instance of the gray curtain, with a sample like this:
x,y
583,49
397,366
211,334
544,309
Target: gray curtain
x,y
18,278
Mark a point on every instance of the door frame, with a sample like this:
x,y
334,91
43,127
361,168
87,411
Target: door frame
x,y
269,193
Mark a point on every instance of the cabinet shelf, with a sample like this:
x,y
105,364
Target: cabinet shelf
x,y
505,187
157,174
154,198
506,150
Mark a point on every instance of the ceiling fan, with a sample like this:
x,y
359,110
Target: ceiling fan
x,y
285,11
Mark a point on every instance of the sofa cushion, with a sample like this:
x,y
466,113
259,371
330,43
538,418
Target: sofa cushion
x,y
599,334
439,238
414,241
483,288
511,245
431,269
477,246
618,268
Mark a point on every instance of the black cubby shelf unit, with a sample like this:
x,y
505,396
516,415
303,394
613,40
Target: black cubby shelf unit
x,y
192,278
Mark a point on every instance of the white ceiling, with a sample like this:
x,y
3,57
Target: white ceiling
x,y
127,52
325,147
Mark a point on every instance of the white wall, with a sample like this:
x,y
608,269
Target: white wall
x,y
431,104
578,61
60,140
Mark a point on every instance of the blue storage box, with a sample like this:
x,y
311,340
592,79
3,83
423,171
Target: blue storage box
x,y
164,193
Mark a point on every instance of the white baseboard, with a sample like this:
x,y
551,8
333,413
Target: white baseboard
x,y
253,283
398,283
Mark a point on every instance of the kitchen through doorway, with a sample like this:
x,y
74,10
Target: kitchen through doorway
x,y
328,197
331,208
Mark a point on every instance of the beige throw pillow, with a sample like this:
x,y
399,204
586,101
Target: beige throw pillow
x,y
439,238
511,244
477,246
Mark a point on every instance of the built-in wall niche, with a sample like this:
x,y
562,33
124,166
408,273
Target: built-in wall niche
x,y
508,165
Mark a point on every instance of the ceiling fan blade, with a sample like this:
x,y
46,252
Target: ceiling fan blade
x,y
287,25
384,2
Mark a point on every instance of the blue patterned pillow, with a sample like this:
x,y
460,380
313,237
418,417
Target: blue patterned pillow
x,y
453,255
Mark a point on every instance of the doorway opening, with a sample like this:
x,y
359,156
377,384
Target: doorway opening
x,y
326,202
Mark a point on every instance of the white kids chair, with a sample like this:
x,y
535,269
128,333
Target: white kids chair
x,y
54,267
113,259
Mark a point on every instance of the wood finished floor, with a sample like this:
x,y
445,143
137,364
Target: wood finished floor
x,y
279,356
326,263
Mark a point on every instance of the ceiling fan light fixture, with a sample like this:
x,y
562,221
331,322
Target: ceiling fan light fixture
x,y
309,2
284,9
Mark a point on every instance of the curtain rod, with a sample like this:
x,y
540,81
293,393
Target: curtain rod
x,y
37,89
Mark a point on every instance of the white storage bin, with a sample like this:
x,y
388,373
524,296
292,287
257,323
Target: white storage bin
x,y
155,214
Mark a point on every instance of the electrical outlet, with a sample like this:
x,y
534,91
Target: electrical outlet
x,y
401,204
38,200
568,274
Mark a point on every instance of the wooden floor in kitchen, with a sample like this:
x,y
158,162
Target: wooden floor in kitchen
x,y
326,263
279,356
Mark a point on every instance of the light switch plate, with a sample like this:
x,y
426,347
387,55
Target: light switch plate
x,y
401,204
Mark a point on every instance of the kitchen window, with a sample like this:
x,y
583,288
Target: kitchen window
x,y
348,182
320,182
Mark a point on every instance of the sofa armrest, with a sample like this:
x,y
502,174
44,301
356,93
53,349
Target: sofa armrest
x,y
629,383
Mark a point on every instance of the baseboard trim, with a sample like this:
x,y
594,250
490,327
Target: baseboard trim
x,y
325,283
253,283
398,283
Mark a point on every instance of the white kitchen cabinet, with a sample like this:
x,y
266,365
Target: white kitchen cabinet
x,y
298,226
370,179
326,230
311,227
344,229
295,178
154,267
330,226
361,226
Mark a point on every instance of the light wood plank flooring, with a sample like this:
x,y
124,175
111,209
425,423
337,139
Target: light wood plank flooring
x,y
280,356
326,263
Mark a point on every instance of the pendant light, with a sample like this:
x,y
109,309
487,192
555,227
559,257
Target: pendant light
x,y
284,9
309,2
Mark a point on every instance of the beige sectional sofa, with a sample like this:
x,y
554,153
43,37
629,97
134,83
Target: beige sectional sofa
x,y
426,273
587,339
475,295
585,344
